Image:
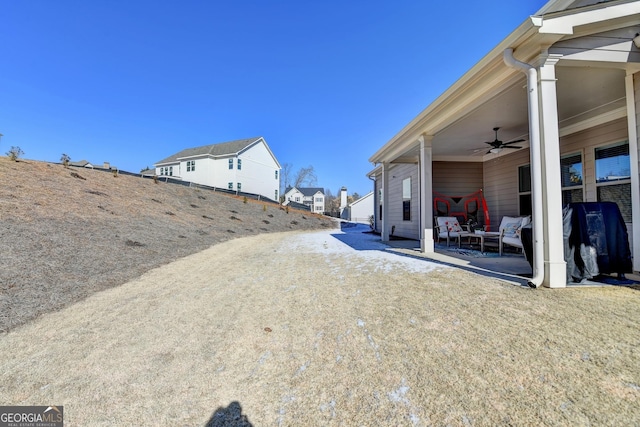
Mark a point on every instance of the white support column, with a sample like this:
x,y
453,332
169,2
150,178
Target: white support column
x,y
425,167
385,202
555,270
632,123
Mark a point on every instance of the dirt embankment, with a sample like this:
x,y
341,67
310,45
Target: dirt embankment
x,y
67,233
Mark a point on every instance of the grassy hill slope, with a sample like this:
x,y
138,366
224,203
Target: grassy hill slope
x,y
64,237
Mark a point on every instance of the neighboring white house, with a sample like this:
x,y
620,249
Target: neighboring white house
x,y
244,165
360,210
309,196
566,83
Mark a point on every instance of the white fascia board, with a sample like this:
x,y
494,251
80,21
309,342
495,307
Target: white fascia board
x,y
176,162
566,23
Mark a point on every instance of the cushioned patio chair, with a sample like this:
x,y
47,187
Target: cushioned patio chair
x,y
510,230
448,227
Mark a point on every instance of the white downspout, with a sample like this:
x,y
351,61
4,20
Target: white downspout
x,y
536,162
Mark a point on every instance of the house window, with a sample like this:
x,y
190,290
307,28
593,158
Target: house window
x,y
276,195
239,164
406,199
170,170
571,170
239,186
276,176
191,166
613,177
297,199
318,199
524,190
161,171
230,163
231,186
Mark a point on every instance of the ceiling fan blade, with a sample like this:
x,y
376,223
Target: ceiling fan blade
x,y
493,143
514,142
510,146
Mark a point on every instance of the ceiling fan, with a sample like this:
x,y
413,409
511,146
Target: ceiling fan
x,y
497,145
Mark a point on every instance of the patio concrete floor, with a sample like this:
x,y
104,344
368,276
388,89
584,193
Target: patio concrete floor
x,y
511,267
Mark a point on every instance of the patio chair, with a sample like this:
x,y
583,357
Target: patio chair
x,y
510,230
448,227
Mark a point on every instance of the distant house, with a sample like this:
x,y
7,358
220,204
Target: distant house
x,y
148,172
81,164
360,210
309,196
244,165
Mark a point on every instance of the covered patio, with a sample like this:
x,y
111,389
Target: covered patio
x,y
566,84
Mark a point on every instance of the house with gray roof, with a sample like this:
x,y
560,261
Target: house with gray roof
x,y
308,196
244,165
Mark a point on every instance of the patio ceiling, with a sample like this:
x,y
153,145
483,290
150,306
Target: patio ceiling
x,y
584,93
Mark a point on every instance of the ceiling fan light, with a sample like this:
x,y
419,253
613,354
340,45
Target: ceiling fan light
x,y
495,150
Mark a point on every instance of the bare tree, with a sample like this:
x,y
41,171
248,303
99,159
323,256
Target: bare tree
x,y
331,203
285,176
305,176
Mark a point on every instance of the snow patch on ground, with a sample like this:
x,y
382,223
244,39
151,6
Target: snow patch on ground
x,y
365,250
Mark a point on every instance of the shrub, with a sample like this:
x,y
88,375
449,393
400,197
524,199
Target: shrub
x,y
65,159
15,153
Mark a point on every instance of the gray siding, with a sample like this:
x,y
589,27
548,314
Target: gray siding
x,y
457,178
501,185
501,173
586,142
407,229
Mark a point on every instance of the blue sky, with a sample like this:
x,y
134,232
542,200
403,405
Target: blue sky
x,y
326,83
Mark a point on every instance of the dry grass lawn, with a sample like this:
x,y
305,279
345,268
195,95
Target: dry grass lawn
x,y
127,302
298,333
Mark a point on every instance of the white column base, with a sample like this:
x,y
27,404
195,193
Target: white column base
x,y
555,274
427,244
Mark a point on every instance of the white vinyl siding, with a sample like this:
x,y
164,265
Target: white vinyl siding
x,y
257,171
